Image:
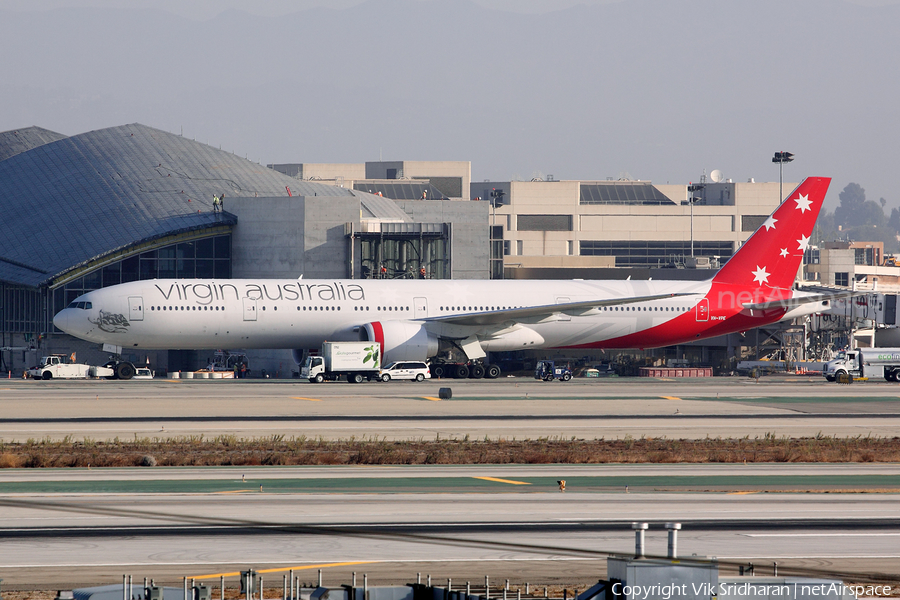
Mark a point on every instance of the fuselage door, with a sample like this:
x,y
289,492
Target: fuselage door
x,y
249,309
703,310
421,306
135,308
562,316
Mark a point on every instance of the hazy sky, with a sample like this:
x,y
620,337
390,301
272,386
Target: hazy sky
x,y
652,89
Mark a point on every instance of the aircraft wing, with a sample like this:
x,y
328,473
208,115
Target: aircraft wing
x,y
801,300
533,313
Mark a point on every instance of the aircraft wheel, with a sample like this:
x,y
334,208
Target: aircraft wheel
x,y
46,375
437,371
320,378
462,372
477,372
385,377
492,372
420,377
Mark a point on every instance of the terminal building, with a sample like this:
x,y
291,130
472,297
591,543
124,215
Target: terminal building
x,y
133,202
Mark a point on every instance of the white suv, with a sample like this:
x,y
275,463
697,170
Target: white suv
x,y
405,369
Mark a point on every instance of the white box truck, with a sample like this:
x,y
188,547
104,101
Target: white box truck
x,y
55,367
358,361
871,363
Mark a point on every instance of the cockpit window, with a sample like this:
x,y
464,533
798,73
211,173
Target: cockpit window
x,y
81,305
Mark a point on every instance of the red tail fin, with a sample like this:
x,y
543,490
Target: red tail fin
x,y
772,255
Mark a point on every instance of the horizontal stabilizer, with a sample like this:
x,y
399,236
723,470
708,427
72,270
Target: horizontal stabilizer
x,y
800,300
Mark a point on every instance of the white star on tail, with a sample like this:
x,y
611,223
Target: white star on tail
x,y
803,203
770,223
784,252
803,242
760,275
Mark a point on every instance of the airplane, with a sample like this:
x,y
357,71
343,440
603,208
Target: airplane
x,y
418,319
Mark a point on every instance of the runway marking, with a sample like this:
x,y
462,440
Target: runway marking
x,y
310,399
430,398
509,481
295,568
671,397
235,492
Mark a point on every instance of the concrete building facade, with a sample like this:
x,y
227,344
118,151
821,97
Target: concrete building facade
x,y
550,226
400,180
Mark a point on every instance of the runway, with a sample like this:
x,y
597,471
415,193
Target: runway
x,y
428,517
518,408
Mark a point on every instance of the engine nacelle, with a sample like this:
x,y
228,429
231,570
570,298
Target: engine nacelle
x,y
519,338
400,340
297,355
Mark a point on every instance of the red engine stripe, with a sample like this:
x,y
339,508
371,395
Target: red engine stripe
x,y
378,332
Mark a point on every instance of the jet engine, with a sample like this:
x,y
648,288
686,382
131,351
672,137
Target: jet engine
x,y
400,340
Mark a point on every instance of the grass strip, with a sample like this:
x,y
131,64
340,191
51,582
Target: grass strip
x,y
281,450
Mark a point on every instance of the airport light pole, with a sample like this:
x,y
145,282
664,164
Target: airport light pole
x,y
692,188
781,158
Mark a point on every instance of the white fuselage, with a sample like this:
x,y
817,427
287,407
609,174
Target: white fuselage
x,y
270,313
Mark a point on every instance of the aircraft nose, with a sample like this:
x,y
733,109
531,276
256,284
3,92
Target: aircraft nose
x,y
61,320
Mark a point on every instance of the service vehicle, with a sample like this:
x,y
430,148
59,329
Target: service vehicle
x,y
870,363
143,373
357,361
414,370
548,370
56,367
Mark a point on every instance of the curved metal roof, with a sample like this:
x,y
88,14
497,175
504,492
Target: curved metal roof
x,y
21,140
79,198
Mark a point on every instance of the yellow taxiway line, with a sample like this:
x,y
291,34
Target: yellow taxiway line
x,y
433,399
297,568
509,481
310,399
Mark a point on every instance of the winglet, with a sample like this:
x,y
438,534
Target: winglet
x,y
772,255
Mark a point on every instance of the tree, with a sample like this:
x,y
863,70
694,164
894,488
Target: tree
x,y
856,211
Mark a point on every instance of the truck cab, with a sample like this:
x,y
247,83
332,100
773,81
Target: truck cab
x,y
846,363
313,369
